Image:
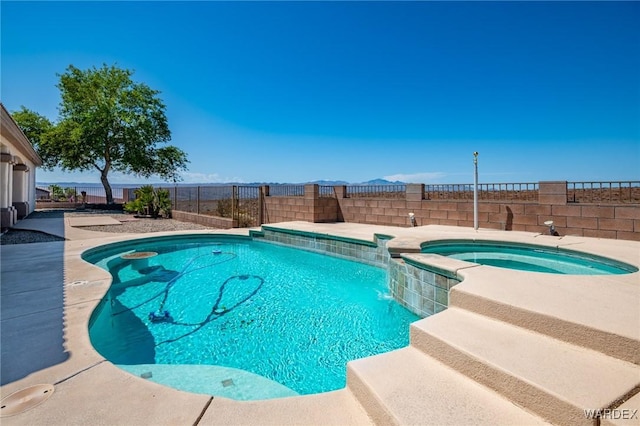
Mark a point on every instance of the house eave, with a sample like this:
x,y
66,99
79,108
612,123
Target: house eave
x,y
12,132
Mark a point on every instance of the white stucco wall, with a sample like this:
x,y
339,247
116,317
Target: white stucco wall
x,y
18,163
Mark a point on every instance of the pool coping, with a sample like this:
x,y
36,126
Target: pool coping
x,y
84,285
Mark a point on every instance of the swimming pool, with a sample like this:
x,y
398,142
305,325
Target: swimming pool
x,y
244,319
524,257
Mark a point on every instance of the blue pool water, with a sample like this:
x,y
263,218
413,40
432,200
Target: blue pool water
x,y
528,258
247,320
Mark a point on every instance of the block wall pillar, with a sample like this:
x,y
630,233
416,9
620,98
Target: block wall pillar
x,y
552,192
415,191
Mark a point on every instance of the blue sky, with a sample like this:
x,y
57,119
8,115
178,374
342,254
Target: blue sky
x,y
303,91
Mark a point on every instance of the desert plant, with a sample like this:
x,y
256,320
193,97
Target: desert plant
x,y
245,220
223,207
70,194
57,193
163,202
150,202
134,207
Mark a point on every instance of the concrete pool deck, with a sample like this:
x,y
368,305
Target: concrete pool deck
x,y
470,364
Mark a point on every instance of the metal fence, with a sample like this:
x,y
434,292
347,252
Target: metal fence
x,y
326,191
245,204
80,194
206,200
603,192
248,201
242,203
508,191
448,192
486,192
286,190
376,191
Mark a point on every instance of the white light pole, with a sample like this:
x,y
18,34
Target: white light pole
x,y
475,190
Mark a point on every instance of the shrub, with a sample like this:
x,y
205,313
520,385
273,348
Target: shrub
x,y
150,202
70,194
57,193
223,207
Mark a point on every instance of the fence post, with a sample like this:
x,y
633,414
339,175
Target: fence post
x,y
198,199
235,214
175,197
261,192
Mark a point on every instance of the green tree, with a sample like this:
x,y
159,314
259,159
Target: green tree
x,y
35,127
108,122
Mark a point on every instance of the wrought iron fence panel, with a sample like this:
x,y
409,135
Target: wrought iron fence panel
x,y
448,192
215,200
486,191
83,194
92,194
326,191
286,190
376,191
508,191
186,199
604,192
247,206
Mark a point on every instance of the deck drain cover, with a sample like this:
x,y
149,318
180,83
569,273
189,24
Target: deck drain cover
x,y
25,399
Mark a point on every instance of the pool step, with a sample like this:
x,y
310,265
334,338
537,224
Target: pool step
x,y
551,378
600,313
406,387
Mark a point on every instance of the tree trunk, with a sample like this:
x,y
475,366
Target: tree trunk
x,y
107,186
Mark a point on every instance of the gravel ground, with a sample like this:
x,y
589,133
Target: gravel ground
x,y
19,236
130,224
145,225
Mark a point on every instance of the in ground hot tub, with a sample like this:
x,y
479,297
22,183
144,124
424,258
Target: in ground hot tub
x,y
525,257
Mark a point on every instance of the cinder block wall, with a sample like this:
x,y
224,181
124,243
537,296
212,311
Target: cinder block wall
x,y
615,221
600,220
325,210
212,221
310,207
286,209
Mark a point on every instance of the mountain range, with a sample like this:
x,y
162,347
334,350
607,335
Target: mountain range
x,y
378,181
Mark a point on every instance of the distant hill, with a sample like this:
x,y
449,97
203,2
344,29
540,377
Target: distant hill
x,y
330,182
89,185
378,181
